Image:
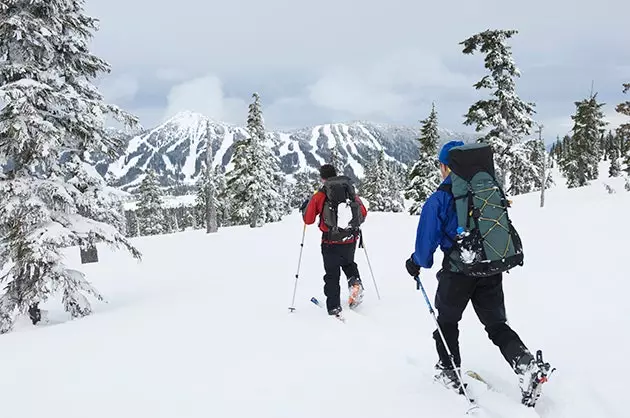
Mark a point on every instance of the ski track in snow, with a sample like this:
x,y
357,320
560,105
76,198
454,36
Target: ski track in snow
x,y
328,132
314,137
188,170
228,140
200,327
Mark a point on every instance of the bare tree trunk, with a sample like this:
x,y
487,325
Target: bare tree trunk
x,y
544,168
211,207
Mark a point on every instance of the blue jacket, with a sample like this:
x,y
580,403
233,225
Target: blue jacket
x,y
438,217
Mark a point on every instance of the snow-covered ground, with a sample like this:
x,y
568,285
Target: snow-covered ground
x,y
200,327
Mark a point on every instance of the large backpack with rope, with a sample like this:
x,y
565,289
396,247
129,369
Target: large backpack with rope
x,y
486,242
342,213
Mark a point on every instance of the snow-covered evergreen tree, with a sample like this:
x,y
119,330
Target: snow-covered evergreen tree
x,y
49,106
305,186
336,160
507,116
395,186
217,183
614,155
151,214
251,186
526,160
212,225
582,162
379,187
424,177
623,131
222,202
615,166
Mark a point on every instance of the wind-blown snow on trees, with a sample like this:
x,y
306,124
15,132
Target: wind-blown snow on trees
x,y
581,164
380,187
424,177
507,116
150,206
623,131
254,186
51,110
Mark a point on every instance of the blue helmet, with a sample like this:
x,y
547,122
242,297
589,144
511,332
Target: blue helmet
x,y
443,156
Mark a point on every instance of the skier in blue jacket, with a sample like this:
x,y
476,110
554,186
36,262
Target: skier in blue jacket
x,y
437,227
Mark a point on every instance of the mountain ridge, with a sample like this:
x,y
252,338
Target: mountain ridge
x,y
176,149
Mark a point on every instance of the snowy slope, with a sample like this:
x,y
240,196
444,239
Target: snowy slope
x,y
200,327
176,149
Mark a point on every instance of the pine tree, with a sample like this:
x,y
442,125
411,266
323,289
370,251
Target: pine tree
x,y
623,131
372,185
582,161
424,177
222,202
557,150
525,167
252,189
380,186
615,167
566,147
49,107
336,160
614,153
217,183
395,186
304,187
507,116
210,191
151,213
609,144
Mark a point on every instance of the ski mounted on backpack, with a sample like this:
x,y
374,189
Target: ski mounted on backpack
x,y
341,199
486,242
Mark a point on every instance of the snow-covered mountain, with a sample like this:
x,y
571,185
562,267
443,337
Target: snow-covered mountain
x,y
177,148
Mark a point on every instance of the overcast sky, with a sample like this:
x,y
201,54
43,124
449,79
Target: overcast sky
x,y
326,61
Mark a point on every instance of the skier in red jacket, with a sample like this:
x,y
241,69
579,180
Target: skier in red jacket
x,y
338,246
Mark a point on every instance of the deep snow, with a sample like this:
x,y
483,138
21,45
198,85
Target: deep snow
x,y
200,327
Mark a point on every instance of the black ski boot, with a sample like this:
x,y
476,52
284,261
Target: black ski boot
x,y
448,377
532,374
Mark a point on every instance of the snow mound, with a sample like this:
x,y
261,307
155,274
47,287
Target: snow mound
x,y
201,328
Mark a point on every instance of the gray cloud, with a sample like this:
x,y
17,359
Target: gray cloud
x,y
335,60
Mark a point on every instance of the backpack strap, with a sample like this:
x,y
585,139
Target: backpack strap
x,y
446,187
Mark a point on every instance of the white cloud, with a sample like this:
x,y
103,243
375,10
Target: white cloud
x,y
615,119
170,74
389,87
115,89
205,95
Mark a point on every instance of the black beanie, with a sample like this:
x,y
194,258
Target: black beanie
x,y
327,171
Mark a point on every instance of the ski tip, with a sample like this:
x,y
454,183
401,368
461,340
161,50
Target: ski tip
x,y
473,409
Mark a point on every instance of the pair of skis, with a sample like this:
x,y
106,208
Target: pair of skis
x,y
339,315
529,397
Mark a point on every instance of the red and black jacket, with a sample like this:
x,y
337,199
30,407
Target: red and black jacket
x,y
315,208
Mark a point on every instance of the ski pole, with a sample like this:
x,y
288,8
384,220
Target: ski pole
x,y
292,308
448,351
362,245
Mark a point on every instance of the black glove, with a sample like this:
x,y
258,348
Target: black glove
x,y
412,268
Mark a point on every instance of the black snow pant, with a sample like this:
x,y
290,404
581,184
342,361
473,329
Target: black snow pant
x,y
486,294
336,257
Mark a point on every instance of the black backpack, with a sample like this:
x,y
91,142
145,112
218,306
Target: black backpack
x,y
486,243
341,200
